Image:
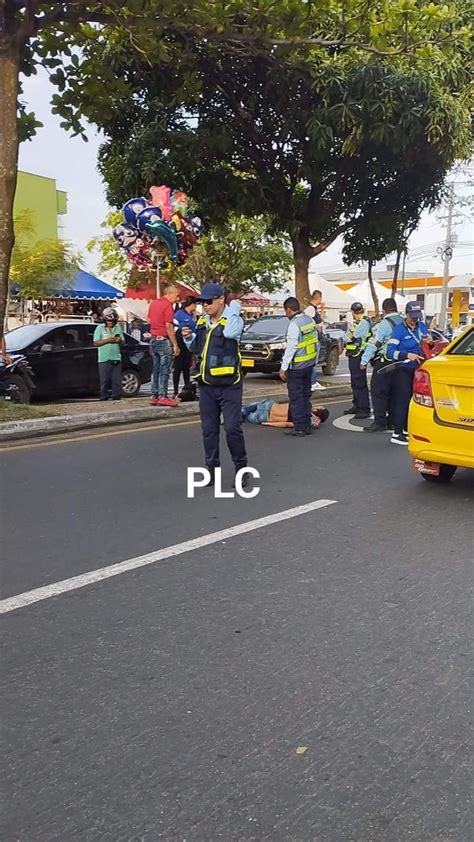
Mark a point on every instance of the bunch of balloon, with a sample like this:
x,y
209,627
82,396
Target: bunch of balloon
x,y
158,233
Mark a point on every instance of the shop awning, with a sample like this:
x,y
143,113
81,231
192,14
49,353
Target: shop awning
x,y
82,286
87,286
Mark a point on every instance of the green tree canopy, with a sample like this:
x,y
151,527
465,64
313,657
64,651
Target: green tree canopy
x,y
389,217
40,266
243,255
81,43
311,141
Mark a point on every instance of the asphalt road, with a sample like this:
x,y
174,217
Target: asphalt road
x,y
342,376
170,702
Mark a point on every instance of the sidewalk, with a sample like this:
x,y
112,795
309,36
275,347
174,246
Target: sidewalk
x,y
89,413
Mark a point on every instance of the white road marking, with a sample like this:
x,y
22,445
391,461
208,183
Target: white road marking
x,y
39,594
344,423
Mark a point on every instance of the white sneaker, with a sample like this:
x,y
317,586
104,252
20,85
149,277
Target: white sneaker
x,y
399,438
317,387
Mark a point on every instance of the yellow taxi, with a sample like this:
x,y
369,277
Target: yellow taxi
x,y
441,417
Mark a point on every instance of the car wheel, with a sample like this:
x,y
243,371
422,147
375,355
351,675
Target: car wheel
x,y
446,472
331,364
131,383
20,392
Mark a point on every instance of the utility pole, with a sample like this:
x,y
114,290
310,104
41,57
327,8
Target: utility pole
x,y
447,255
403,271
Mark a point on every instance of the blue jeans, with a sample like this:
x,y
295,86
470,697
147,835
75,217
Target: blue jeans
x,y
162,354
257,413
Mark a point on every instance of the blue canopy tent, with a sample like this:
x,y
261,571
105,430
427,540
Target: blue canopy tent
x,y
83,286
87,286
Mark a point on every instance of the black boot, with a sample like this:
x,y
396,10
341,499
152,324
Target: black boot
x,y
375,428
212,478
299,434
351,411
244,481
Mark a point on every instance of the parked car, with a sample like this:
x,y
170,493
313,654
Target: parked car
x,y
338,334
263,344
441,417
64,360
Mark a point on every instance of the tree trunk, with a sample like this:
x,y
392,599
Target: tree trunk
x,y
9,73
396,272
372,288
302,254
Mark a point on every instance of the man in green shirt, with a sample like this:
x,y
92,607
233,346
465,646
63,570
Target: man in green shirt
x,y
107,338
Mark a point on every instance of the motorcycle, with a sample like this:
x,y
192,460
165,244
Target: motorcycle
x,y
16,380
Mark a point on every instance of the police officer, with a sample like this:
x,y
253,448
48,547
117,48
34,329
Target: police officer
x,y
381,384
218,372
356,339
404,347
297,366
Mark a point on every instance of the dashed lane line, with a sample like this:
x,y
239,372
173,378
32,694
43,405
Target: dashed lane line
x,y
92,577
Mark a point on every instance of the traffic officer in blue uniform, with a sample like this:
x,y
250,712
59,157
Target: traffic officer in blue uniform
x,y
356,340
297,366
381,384
404,347
215,343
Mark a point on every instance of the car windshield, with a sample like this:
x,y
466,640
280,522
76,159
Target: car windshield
x,y
17,339
269,326
465,347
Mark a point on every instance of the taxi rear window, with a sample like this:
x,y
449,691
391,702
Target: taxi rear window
x,y
465,347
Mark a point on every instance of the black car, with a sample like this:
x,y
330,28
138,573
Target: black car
x,y
64,360
263,344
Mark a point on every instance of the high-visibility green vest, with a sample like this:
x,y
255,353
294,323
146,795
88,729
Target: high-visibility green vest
x,y
307,347
356,345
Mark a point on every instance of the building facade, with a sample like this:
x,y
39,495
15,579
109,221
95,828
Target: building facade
x,y
428,291
39,197
353,276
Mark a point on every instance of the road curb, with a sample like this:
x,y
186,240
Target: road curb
x,y
57,424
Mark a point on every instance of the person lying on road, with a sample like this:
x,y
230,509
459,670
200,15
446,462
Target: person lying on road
x,y
269,413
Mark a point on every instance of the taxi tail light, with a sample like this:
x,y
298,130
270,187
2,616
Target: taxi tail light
x,y
422,393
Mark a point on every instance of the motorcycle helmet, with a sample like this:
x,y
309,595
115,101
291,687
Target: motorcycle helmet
x,y
357,307
109,313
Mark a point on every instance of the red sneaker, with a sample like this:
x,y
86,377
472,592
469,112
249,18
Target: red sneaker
x,y
167,402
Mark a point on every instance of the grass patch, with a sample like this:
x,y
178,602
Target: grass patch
x,y
23,411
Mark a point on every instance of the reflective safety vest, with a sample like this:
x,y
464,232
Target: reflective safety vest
x,y
356,345
218,358
307,347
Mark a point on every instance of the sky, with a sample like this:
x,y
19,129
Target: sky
x,y
73,164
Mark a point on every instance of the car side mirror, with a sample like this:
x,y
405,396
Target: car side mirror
x,y
46,347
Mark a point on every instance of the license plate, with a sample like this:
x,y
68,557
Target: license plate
x,y
426,467
248,363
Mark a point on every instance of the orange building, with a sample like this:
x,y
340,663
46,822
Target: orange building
x,y
428,292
